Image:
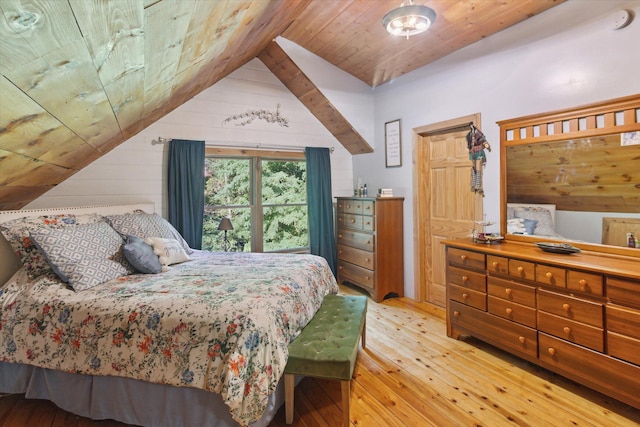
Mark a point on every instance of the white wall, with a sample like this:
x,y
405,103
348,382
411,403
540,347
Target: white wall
x,y
351,96
564,57
136,170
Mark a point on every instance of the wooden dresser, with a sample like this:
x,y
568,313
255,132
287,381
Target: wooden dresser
x,y
370,247
577,315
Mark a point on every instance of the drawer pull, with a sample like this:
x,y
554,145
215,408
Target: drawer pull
x,y
583,284
465,296
495,264
340,236
368,222
456,313
520,269
465,278
551,351
353,220
367,260
368,242
508,291
549,274
463,257
340,268
522,340
509,310
567,330
566,306
348,206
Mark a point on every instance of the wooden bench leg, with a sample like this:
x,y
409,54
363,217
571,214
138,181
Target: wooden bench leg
x,y
346,394
289,388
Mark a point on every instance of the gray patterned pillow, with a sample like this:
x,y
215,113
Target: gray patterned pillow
x,y
17,232
146,225
84,255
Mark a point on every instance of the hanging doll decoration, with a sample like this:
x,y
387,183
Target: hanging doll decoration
x,y
476,144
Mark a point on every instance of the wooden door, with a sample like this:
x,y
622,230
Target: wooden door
x,y
446,206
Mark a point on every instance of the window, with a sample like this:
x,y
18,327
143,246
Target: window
x,y
265,198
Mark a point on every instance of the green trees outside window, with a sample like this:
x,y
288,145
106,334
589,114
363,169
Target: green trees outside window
x,y
265,199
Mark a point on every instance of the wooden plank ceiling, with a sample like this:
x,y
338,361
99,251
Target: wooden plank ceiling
x,y
79,77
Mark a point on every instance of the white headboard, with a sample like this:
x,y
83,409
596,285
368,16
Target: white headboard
x,y
10,262
148,207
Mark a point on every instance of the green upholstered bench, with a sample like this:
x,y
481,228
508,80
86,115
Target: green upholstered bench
x,y
328,347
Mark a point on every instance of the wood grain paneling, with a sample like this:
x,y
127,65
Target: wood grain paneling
x,y
595,174
299,84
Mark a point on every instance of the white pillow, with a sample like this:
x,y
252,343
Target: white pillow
x,y
169,251
516,226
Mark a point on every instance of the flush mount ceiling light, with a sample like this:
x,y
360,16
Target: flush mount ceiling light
x,y
409,19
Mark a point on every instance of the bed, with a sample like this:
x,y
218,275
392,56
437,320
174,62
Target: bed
x,y
204,342
532,219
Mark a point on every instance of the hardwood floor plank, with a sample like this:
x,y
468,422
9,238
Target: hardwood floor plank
x,y
28,412
329,406
412,374
66,419
7,402
492,362
305,408
490,385
411,404
451,392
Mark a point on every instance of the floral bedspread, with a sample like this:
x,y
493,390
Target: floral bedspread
x,y
221,322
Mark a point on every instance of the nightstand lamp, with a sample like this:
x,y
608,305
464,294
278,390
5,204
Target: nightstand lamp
x,y
225,224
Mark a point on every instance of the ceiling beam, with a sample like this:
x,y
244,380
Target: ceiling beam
x,y
283,67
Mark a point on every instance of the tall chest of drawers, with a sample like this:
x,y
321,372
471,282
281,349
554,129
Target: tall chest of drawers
x,y
370,244
577,315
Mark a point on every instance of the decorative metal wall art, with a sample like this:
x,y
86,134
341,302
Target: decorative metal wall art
x,y
262,114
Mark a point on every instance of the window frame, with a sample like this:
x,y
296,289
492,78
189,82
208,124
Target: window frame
x,y
255,158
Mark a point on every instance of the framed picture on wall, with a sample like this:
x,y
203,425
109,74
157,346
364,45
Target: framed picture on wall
x,y
392,144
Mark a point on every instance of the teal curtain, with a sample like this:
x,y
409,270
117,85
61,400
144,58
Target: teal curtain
x,y
320,205
186,189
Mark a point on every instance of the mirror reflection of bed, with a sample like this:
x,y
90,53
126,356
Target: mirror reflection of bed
x,y
546,221
580,164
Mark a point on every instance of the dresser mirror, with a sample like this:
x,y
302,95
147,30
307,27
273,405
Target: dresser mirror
x,y
573,176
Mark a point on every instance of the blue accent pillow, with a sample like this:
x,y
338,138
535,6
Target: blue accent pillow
x,y
141,256
530,226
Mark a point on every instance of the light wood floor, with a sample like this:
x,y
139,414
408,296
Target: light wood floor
x,y
411,374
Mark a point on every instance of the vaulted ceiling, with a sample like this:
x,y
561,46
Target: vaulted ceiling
x,y
79,77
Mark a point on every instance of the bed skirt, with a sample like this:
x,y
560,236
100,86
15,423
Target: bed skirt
x,y
126,400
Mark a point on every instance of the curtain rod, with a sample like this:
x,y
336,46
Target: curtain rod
x,y
223,144
452,128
